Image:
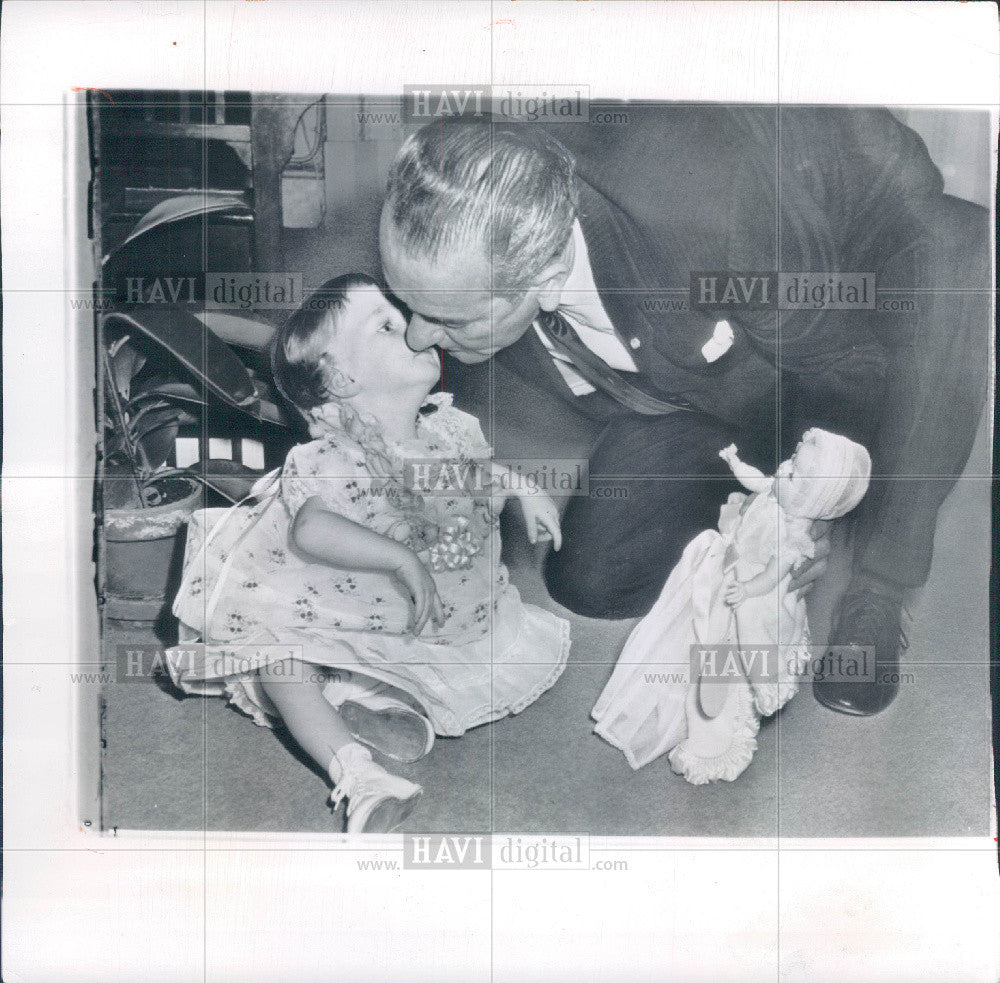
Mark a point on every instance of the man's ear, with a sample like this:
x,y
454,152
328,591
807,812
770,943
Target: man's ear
x,y
550,281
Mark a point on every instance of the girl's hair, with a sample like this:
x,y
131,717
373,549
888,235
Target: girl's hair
x,y
303,366
300,353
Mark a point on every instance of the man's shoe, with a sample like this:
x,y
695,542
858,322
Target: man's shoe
x,y
869,619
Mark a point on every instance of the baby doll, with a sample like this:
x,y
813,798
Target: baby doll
x,y
727,602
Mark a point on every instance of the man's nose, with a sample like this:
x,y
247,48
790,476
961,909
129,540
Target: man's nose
x,y
421,334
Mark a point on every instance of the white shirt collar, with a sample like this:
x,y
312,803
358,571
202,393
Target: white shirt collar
x,y
579,297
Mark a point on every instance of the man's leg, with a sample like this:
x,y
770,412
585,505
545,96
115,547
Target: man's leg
x,y
935,394
655,483
935,389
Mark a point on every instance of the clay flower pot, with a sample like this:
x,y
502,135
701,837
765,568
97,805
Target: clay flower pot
x,y
144,549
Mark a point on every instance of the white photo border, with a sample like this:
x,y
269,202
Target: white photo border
x,y
89,906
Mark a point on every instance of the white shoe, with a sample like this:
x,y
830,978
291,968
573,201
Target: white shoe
x,y
377,801
378,720
390,726
719,747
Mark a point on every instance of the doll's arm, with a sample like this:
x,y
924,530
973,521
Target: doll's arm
x,y
748,476
762,583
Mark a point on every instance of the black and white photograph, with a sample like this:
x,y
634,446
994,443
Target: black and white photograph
x,y
467,480
462,441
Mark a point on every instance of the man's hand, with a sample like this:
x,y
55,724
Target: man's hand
x,y
805,575
541,518
416,578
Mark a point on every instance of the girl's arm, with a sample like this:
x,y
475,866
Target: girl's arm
x,y
500,483
330,538
764,582
541,515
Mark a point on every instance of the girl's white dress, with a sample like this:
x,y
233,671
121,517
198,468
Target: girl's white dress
x,y
641,709
245,585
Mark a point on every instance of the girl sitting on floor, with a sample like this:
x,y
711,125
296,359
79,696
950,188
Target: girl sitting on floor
x,y
345,602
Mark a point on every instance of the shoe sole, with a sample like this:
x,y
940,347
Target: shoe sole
x,y
398,734
389,814
848,709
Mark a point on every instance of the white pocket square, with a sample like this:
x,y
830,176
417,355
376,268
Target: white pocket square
x,y
720,342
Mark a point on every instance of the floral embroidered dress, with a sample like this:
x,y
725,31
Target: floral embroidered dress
x,y
641,709
246,584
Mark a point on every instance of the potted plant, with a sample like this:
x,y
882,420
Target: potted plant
x,y
162,368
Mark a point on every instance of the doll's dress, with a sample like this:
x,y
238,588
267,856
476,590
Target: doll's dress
x,y
773,628
256,600
642,709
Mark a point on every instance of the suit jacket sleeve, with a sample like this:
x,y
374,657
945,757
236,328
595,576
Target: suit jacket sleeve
x,y
714,188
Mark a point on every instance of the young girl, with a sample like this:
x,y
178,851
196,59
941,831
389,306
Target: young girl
x,y
342,564
729,593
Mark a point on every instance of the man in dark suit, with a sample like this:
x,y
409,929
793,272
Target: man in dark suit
x,y
568,262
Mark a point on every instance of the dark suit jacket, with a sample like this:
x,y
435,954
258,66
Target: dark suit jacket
x,y
682,189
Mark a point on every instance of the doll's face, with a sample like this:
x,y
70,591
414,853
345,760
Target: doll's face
x,y
802,468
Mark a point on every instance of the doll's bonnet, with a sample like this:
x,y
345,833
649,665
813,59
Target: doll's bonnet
x,y
841,478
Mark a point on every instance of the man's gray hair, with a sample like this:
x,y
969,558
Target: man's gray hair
x,y
510,189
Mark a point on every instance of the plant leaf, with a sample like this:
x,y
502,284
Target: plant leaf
x,y
156,417
210,361
157,444
117,344
181,392
268,412
237,330
270,407
230,479
126,361
179,208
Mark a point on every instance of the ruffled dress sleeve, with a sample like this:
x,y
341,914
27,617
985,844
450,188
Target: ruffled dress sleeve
x,y
797,538
729,514
333,469
756,537
768,531
456,432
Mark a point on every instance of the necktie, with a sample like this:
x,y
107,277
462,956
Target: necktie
x,y
599,374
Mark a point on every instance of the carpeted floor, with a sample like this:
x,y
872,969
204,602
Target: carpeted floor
x,y
921,768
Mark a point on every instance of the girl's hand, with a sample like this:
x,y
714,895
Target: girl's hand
x,y
735,594
541,519
416,578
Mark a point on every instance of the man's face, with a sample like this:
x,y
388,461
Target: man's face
x,y
452,304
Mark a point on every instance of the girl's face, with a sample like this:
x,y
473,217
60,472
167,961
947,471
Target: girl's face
x,y
803,466
370,347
